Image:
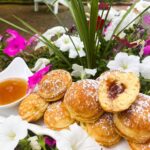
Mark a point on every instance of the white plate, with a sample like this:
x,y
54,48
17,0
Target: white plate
x,y
18,68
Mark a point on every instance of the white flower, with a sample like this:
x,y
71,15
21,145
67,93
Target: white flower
x,y
145,68
34,143
78,46
40,63
12,129
141,5
79,71
64,43
75,139
58,30
75,48
91,71
115,21
112,14
125,63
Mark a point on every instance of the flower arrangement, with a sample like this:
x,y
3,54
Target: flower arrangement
x,y
86,48
102,39
33,137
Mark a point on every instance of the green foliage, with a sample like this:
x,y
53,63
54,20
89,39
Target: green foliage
x,y
23,145
98,50
145,86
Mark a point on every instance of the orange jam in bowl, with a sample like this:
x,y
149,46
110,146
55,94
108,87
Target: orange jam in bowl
x,y
12,90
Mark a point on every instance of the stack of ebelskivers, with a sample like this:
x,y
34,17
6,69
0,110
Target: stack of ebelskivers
x,y
108,108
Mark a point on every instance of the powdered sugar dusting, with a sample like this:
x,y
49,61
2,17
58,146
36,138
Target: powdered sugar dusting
x,y
54,83
82,99
91,86
106,123
139,112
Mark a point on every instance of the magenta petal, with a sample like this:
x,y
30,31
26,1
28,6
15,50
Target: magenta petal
x,y
15,43
13,34
50,142
147,42
37,77
146,19
146,50
32,40
14,47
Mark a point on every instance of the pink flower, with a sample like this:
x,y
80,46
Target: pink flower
x,y
13,34
37,77
146,19
146,49
50,142
32,40
15,43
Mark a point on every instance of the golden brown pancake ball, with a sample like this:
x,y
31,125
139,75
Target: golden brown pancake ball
x,y
81,100
134,123
32,108
54,85
118,90
57,116
103,130
135,146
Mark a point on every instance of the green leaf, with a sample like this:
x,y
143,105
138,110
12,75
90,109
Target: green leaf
x,y
45,40
134,19
119,24
23,145
41,141
92,30
27,25
78,13
60,22
14,25
123,18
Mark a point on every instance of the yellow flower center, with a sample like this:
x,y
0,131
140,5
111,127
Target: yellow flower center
x,y
11,135
124,66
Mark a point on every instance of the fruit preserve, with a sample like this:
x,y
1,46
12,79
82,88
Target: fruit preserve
x,y
12,90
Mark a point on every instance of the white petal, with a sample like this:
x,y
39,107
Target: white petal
x,y
62,144
11,131
125,63
78,70
64,48
89,144
134,59
134,69
121,56
63,43
77,73
146,60
82,53
91,71
39,45
145,68
8,145
77,67
40,63
112,65
73,53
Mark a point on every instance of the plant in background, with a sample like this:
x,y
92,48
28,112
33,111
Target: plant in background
x,y
86,49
